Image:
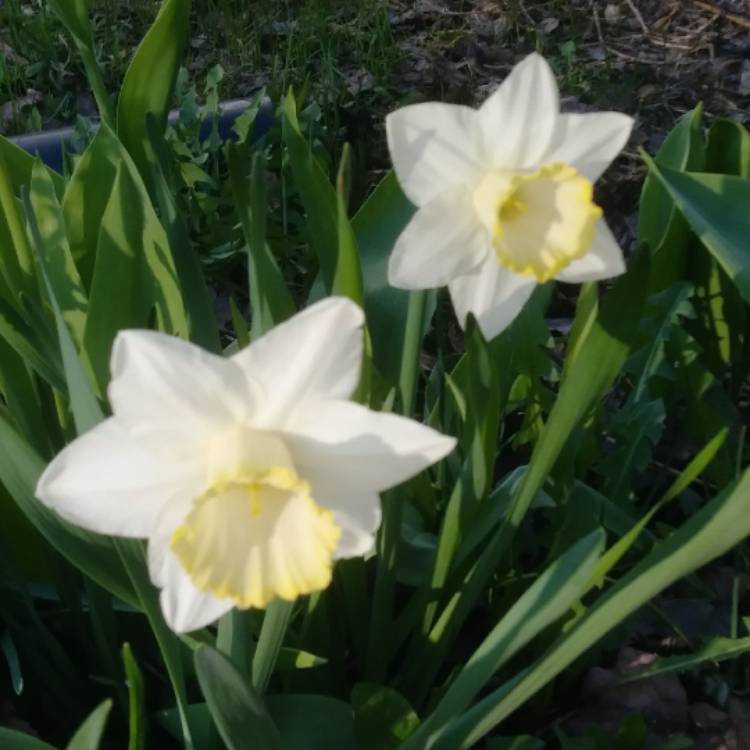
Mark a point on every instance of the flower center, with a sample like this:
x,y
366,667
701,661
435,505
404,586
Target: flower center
x,y
258,536
538,222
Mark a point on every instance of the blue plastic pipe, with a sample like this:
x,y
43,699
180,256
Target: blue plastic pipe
x,y
49,144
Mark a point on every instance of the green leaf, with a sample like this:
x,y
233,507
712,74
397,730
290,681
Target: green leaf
x,y
198,304
136,700
728,149
16,258
383,718
41,355
134,268
89,734
601,355
316,191
238,712
663,315
553,593
58,261
377,225
25,400
8,647
12,740
272,632
270,299
131,553
715,206
150,78
637,429
689,474
241,331
94,555
312,722
86,409
522,742
660,224
347,280
716,650
75,15
294,658
710,532
19,164
86,198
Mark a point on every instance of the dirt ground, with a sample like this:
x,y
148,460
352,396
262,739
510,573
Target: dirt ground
x,y
654,59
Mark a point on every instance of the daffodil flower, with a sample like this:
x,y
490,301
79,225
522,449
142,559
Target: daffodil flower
x,y
249,475
505,195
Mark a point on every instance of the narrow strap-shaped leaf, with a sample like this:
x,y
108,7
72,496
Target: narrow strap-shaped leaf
x,y
711,532
270,300
36,352
377,224
94,555
131,554
13,740
75,15
150,78
389,537
691,472
199,308
600,359
716,650
715,207
86,409
237,710
136,701
347,279
134,270
89,734
16,257
58,260
552,594
316,191
272,632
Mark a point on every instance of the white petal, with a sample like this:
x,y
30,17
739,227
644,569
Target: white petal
x,y
493,294
444,239
603,261
315,354
518,120
171,392
590,142
107,482
358,516
433,147
341,447
185,608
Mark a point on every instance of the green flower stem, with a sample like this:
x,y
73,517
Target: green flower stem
x,y
234,639
407,381
390,532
